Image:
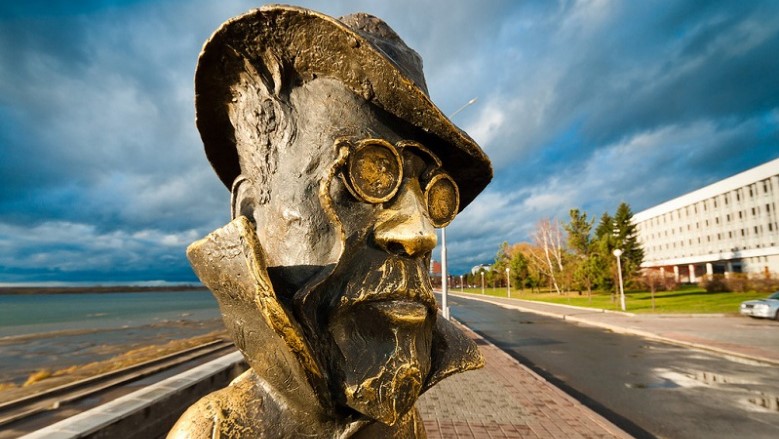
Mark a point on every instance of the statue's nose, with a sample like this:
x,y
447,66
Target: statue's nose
x,y
404,226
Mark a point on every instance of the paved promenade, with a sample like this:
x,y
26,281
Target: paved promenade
x,y
507,400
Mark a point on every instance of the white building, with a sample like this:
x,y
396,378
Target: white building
x,y
729,226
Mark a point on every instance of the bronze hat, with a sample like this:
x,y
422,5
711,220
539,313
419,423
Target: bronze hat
x,y
360,50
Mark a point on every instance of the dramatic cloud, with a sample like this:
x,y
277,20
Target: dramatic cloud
x,y
580,104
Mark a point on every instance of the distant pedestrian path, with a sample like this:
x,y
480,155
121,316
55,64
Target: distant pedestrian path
x,y
732,335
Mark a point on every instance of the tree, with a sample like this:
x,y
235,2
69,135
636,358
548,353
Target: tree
x,y
549,239
580,243
626,238
502,258
603,264
520,273
524,266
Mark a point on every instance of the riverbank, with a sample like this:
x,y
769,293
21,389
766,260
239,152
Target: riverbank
x,y
56,338
47,378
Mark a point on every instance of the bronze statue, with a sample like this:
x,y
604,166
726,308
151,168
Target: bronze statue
x,y
340,169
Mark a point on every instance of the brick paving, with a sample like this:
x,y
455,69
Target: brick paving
x,y
506,400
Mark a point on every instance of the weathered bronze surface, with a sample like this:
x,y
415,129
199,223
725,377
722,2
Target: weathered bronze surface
x,y
340,168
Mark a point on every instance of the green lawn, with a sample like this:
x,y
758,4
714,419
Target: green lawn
x,y
687,299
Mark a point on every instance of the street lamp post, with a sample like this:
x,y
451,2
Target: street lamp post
x,y
617,253
462,288
508,282
444,276
482,282
444,273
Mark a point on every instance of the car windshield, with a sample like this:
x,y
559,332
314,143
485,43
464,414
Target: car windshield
x,y
774,296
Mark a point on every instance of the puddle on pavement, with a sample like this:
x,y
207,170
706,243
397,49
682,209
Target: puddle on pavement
x,y
668,379
664,384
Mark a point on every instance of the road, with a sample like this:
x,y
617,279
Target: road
x,y
648,388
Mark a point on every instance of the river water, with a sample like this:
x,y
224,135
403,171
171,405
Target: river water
x,y
55,331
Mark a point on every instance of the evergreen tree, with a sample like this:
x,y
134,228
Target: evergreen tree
x,y
626,238
602,262
580,243
579,229
605,227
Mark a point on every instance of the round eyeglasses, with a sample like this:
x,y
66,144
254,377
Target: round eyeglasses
x,y
373,173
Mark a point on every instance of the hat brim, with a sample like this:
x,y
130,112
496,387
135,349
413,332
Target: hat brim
x,y
314,44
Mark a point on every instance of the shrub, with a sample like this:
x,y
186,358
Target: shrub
x,y
715,283
649,278
737,282
764,284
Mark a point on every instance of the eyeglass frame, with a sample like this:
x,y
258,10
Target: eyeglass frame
x,y
347,150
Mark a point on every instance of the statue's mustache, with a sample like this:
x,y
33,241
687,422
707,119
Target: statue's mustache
x,y
394,279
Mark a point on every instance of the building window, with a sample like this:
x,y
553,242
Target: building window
x,y
743,233
765,187
739,215
730,234
755,230
770,227
715,203
728,217
768,208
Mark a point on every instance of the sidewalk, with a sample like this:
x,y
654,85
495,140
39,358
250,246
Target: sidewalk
x,y
737,336
506,400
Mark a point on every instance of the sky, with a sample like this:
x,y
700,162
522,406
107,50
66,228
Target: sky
x,y
580,104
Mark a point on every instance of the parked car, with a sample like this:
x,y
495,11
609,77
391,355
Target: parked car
x,y
767,308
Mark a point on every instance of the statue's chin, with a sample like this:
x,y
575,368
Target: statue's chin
x,y
386,356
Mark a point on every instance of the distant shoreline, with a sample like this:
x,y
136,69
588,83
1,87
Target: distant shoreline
x,y
98,289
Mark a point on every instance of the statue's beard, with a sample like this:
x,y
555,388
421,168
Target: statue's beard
x,y
373,319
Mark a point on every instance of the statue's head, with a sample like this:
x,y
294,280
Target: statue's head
x,y
323,131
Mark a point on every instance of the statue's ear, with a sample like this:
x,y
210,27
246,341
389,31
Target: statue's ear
x,y
242,199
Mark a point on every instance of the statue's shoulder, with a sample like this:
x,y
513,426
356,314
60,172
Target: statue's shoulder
x,y
227,412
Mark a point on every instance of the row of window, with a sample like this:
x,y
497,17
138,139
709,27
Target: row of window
x,y
756,231
753,190
728,218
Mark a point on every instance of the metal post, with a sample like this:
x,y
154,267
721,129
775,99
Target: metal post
x,y
444,273
462,288
444,276
508,283
618,253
